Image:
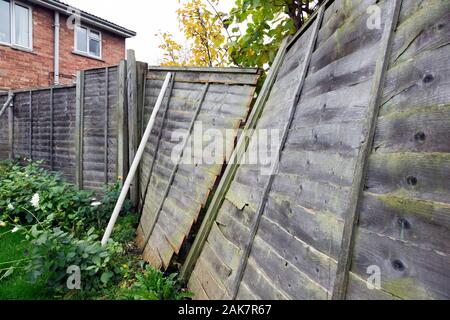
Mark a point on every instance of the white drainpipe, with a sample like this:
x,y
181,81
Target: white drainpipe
x,y
56,49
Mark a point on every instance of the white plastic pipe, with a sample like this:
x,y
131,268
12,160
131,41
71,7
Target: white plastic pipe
x,y
136,161
7,103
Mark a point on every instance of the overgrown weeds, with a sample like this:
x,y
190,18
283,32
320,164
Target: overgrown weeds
x,y
62,226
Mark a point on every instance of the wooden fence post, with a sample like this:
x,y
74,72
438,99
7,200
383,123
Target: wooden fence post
x,y
30,141
79,130
51,130
356,195
122,122
11,129
106,126
133,120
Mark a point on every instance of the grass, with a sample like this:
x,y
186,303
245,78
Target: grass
x,y
16,287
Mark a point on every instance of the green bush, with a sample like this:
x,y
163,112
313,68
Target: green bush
x,y
54,251
62,225
29,194
153,285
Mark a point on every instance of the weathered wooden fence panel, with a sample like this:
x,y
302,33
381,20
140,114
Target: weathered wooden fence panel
x,y
48,122
174,193
404,209
363,179
100,128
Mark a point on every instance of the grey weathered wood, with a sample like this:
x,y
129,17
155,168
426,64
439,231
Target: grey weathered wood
x,y
155,152
232,167
261,206
11,129
79,130
133,121
51,150
30,145
122,122
106,124
345,258
175,169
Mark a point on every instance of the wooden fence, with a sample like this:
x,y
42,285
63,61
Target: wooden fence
x,y
173,194
71,129
362,189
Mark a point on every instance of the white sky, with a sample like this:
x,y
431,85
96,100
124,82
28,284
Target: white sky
x,y
146,17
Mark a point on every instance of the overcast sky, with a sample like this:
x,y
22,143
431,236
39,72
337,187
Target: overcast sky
x,y
146,17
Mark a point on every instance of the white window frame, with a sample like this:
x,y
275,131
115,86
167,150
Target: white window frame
x,y
87,53
12,27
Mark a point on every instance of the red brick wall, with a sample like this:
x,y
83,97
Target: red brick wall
x,y
20,69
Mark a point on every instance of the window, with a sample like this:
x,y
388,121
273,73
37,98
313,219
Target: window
x,y
88,42
15,24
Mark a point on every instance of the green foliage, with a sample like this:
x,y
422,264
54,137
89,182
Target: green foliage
x,y
55,250
13,258
71,210
153,285
266,23
61,227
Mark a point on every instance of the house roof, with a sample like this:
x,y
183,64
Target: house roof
x,y
86,17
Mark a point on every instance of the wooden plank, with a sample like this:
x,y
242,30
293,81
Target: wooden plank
x,y
425,224
423,129
233,165
351,219
424,176
122,122
106,126
133,125
202,77
407,271
175,169
156,151
11,129
51,151
30,141
261,206
79,130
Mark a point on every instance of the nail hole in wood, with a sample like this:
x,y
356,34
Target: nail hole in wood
x,y
412,181
403,223
420,136
398,265
428,78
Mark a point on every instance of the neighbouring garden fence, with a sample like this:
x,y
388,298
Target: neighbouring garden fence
x,y
71,129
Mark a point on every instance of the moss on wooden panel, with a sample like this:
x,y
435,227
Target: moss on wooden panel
x,y
408,288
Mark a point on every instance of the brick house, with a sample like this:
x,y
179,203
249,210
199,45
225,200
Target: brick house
x,y
44,42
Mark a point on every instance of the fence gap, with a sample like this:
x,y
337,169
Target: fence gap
x,y
351,218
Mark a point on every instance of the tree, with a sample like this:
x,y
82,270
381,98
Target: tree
x,y
268,22
202,27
